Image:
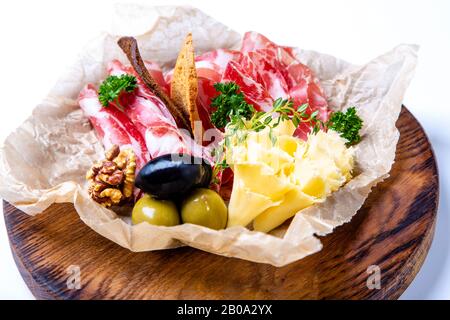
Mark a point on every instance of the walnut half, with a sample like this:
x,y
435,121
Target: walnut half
x,y
111,180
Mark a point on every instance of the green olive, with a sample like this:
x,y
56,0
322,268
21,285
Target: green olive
x,y
206,208
157,212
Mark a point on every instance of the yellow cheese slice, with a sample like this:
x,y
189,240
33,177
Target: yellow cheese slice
x,y
276,178
294,201
245,205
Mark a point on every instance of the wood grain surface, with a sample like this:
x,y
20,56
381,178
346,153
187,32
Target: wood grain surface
x,y
393,230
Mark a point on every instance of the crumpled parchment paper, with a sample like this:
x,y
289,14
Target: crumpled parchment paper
x,y
46,158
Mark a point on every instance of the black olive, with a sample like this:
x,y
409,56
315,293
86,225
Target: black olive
x,y
172,175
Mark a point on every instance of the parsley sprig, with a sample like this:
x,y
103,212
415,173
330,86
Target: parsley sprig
x,y
111,88
230,105
347,123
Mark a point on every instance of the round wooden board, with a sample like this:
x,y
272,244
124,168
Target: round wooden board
x,y
393,230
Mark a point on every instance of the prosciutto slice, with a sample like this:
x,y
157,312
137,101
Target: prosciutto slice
x,y
206,92
267,72
154,122
211,65
299,81
113,126
254,91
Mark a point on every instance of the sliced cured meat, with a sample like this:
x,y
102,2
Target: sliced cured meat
x,y
210,68
112,126
297,71
299,84
302,131
161,134
250,68
206,92
267,72
299,93
283,59
317,101
155,123
253,41
216,59
151,117
115,67
130,47
209,71
254,92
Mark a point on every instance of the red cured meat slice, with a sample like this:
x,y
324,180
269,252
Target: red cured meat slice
x,y
299,93
208,71
253,41
318,101
112,126
206,92
311,94
160,133
270,57
218,59
151,117
211,64
302,131
285,60
266,72
117,68
302,86
250,68
254,92
155,123
210,68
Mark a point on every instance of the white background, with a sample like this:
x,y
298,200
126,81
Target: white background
x,y
41,38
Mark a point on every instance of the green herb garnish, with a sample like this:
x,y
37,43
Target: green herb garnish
x,y
229,104
239,117
283,110
347,123
111,88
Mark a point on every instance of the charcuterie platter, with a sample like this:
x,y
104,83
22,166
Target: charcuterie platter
x,y
258,152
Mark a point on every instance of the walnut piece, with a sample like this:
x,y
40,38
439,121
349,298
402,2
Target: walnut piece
x,y
111,181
